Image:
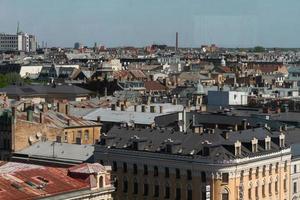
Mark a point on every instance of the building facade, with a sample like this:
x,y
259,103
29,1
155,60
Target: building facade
x,y
170,165
18,42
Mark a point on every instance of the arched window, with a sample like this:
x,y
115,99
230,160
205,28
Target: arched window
x,y
225,194
101,182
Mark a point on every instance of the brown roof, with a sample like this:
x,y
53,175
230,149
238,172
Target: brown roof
x,y
154,86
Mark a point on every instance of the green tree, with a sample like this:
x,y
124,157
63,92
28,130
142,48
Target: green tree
x,y
258,49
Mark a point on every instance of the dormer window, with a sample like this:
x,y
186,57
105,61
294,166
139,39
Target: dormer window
x,y
254,145
282,140
135,145
268,143
237,147
169,148
205,151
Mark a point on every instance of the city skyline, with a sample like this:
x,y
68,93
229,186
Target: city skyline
x,y
127,23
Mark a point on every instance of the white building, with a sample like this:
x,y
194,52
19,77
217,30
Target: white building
x,y
18,42
227,98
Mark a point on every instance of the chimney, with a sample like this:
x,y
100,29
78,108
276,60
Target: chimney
x,y
122,107
160,109
99,119
225,135
201,129
44,107
118,103
148,100
69,122
67,107
196,129
29,115
174,101
125,103
41,117
244,124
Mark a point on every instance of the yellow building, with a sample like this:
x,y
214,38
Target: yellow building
x,y
163,164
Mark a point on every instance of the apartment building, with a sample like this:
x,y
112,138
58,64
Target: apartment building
x,y
19,130
209,164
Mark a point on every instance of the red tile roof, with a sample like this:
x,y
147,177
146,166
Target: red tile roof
x,y
27,181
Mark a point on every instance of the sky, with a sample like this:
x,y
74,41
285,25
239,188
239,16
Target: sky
x,y
226,23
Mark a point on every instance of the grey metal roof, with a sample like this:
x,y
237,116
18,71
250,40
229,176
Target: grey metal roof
x,y
59,151
189,144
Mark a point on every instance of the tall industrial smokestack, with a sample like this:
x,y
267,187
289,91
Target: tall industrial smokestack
x,y
176,48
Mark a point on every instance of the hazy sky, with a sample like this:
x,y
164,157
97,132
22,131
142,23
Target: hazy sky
x,y
229,23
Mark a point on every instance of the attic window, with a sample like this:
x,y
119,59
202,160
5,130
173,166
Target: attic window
x,y
205,151
238,149
169,148
268,145
135,145
254,145
281,141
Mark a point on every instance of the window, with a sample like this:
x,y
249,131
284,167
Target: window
x,y
250,174
155,172
115,167
277,167
225,194
189,174
66,136
167,191
237,150
189,193
285,184
270,189
167,172
86,135
101,182
145,170
257,172
276,186
270,169
203,177
125,186
135,187
295,187
295,168
264,170
256,192
177,173
249,193
254,148
225,178
124,167
263,190
178,194
285,166
156,190
146,189
242,176
135,171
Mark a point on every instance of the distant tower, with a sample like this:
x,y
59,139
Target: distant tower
x,y
223,62
176,48
18,28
